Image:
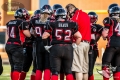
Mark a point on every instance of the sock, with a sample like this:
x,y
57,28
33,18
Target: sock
x,y
91,77
32,77
54,77
38,75
23,75
11,75
106,73
116,76
16,75
47,74
69,77
61,76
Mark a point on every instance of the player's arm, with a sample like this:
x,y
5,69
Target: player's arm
x,y
99,32
25,29
77,35
46,34
32,30
107,23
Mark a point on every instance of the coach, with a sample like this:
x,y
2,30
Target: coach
x,y
80,60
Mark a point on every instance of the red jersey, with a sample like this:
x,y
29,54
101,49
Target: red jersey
x,y
83,22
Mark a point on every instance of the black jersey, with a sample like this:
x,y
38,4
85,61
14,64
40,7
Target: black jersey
x,y
38,27
95,30
61,31
15,30
114,31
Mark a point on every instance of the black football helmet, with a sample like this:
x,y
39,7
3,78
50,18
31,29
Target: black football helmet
x,y
22,13
37,13
56,6
115,12
46,9
93,17
60,13
112,5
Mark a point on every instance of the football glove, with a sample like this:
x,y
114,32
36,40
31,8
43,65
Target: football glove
x,y
48,48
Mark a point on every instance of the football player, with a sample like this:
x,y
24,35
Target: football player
x,y
27,52
42,57
17,30
61,50
96,31
112,32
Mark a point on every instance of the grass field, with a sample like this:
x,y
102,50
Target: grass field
x,y
6,75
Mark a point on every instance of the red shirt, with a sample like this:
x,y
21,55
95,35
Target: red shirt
x,y
83,22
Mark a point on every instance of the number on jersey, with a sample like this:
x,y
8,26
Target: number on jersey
x,y
38,31
117,29
11,32
67,34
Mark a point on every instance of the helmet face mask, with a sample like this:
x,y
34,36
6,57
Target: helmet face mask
x,y
22,13
46,9
37,13
93,17
115,12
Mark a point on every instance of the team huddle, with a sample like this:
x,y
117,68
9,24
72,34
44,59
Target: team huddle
x,y
62,42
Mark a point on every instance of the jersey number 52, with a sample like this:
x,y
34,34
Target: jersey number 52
x,y
63,34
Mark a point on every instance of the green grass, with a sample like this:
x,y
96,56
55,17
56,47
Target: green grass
x,y
6,75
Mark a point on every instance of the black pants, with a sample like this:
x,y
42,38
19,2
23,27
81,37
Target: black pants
x,y
112,56
92,58
61,53
28,58
42,57
15,55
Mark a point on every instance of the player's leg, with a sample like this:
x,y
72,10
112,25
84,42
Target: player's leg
x,y
116,65
7,48
92,58
47,72
39,60
106,60
55,61
67,61
62,71
33,74
18,58
27,62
